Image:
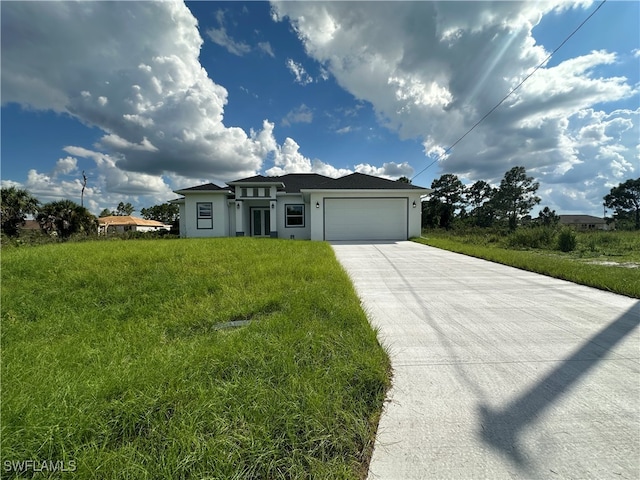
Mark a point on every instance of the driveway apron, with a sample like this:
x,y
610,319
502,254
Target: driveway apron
x,y
498,372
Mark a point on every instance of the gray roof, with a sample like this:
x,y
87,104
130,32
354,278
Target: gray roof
x,y
581,219
295,182
207,187
362,181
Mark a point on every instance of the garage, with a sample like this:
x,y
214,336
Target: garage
x,y
365,219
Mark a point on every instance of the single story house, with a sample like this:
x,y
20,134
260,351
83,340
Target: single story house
x,y
584,222
303,206
127,223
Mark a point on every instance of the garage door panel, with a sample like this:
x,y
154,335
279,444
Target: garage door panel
x,y
365,218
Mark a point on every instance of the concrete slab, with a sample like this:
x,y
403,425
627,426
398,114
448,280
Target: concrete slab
x,y
498,372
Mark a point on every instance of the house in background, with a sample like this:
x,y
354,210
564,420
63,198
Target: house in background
x,y
303,206
127,223
584,222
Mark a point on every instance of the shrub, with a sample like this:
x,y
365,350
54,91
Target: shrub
x,y
567,240
535,237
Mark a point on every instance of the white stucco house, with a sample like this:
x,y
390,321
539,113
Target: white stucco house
x,y
303,206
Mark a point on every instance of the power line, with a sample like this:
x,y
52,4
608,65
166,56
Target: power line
x,y
511,92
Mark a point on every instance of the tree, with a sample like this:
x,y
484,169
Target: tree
x,y
166,213
447,196
124,209
64,218
516,195
625,200
16,204
548,217
404,179
105,213
479,197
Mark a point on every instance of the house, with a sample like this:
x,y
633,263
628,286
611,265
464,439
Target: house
x,y
303,206
584,222
127,223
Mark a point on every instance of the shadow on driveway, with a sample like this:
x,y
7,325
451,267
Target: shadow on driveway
x,y
501,428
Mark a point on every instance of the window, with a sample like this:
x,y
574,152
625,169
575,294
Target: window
x,y
204,215
243,192
294,216
255,192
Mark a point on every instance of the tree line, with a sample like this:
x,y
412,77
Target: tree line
x,y
63,218
481,205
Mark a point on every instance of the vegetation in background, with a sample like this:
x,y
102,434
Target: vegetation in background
x,y
64,218
454,205
122,210
606,260
16,205
120,356
480,204
167,213
625,200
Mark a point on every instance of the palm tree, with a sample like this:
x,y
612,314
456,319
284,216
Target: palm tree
x,y
16,204
64,218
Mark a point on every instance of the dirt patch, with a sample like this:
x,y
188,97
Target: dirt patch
x,y
616,264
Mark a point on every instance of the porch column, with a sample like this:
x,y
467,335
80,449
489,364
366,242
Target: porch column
x,y
239,219
273,218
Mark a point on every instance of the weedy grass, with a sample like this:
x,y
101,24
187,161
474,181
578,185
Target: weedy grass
x,y
605,260
115,355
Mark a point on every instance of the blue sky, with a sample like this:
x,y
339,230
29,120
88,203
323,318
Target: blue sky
x,y
149,97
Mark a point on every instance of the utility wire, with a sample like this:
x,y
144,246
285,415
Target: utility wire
x,y
511,92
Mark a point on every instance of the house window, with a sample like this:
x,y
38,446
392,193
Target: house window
x,y
267,192
294,216
204,215
243,192
255,192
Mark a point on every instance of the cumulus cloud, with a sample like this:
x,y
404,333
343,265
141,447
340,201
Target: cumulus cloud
x,y
432,69
143,86
301,114
300,74
65,166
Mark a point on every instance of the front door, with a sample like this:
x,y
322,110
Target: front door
x,y
260,222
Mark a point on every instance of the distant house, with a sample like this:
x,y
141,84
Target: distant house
x,y
303,206
584,222
127,223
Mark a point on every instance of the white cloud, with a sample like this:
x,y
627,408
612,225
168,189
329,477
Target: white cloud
x,y
390,170
301,114
266,48
132,70
300,74
430,70
220,37
65,166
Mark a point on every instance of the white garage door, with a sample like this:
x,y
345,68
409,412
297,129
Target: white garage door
x,y
365,219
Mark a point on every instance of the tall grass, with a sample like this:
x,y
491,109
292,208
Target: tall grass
x,y
116,355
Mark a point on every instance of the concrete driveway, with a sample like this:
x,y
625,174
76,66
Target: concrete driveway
x,y
498,372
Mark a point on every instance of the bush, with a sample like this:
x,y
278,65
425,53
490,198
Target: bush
x,y
535,237
567,240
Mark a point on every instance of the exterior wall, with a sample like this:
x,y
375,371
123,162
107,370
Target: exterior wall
x,y
298,233
181,221
317,214
220,215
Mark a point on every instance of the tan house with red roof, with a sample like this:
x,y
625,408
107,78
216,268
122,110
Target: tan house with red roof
x,y
128,223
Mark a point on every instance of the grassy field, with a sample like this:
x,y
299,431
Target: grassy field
x,y
118,360
605,260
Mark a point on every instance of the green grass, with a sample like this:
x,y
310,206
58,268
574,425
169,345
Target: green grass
x,y
602,260
111,358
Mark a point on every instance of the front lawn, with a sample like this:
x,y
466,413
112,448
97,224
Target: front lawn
x,y
119,359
